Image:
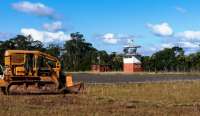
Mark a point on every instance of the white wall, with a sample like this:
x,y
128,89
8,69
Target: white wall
x,y
133,60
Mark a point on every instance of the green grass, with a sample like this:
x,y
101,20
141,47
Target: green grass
x,y
153,99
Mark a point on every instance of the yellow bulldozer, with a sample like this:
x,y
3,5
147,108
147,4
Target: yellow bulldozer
x,y
34,72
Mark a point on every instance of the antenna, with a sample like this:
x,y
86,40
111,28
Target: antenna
x,y
131,49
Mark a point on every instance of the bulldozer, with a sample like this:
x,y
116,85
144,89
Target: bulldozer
x,y
27,71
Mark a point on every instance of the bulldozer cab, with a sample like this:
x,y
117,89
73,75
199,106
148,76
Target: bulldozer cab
x,y
31,63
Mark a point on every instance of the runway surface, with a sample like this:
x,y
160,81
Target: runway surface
x,y
130,78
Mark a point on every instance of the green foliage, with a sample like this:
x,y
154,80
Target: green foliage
x,y
54,50
76,55
172,59
79,55
116,61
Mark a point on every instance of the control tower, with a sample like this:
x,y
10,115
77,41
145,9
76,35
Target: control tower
x,y
131,58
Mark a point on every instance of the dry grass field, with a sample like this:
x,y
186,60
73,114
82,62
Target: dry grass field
x,y
141,99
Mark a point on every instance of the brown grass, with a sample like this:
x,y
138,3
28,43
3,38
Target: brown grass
x,y
150,99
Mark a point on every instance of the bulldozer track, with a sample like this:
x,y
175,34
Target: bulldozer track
x,y
22,87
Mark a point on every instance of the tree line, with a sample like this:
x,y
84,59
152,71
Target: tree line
x,y
172,60
75,55
78,55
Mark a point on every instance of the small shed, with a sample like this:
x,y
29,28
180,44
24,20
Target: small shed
x,y
101,68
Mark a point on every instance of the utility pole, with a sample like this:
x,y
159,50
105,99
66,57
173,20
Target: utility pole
x,y
99,59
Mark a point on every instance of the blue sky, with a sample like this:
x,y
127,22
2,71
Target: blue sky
x,y
107,24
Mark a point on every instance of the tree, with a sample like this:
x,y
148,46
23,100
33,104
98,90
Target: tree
x,y
169,59
146,63
179,61
54,50
116,61
78,54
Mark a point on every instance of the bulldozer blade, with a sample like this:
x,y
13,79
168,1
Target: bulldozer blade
x,y
76,88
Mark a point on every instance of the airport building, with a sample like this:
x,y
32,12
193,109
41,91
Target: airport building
x,y
131,59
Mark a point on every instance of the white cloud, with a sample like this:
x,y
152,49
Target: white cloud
x,y
167,45
189,35
189,40
189,45
45,36
55,26
180,9
38,9
110,38
162,29
153,49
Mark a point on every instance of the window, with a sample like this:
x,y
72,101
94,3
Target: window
x,y
17,59
1,70
43,62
